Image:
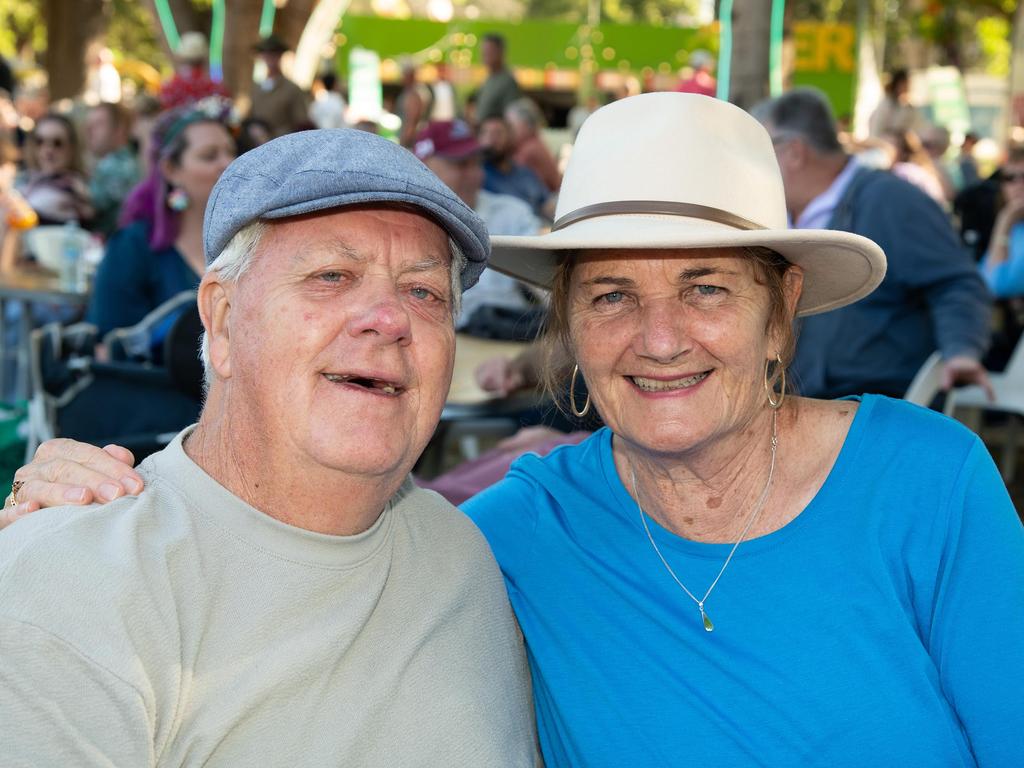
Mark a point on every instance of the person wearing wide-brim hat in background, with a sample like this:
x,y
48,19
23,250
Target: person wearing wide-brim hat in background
x,y
276,100
726,573
191,81
729,574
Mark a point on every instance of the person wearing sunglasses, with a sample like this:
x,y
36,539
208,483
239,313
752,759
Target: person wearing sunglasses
x,y
1003,264
55,185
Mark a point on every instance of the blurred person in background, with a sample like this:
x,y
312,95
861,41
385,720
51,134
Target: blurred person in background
x,y
252,133
145,112
54,184
496,305
932,297
504,176
700,80
191,80
935,141
158,252
116,169
525,122
413,104
965,161
278,101
1003,264
915,165
895,114
328,107
500,88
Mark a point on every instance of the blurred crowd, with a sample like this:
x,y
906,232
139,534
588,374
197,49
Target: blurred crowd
x,y
137,176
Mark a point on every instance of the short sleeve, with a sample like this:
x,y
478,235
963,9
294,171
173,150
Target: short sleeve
x,y
60,708
506,514
977,630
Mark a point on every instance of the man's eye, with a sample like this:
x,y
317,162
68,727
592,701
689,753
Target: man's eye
x,y
330,277
708,290
424,294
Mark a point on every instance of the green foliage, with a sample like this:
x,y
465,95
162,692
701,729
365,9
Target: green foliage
x,y
134,34
994,41
615,11
21,23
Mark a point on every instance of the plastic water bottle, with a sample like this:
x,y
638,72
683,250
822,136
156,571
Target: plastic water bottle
x,y
70,251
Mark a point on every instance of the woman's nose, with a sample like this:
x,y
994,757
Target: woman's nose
x,y
662,335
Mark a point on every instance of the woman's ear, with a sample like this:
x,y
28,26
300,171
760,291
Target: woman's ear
x,y
793,288
215,311
169,170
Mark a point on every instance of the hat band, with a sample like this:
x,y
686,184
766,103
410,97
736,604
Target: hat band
x,y
656,207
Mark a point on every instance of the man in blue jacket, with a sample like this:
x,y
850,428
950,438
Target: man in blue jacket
x,y
932,296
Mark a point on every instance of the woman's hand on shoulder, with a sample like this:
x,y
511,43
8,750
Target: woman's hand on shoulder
x,y
67,472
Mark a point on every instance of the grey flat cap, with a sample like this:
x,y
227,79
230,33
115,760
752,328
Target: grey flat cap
x,y
316,170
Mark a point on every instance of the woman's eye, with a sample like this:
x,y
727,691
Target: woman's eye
x,y
331,277
614,297
708,290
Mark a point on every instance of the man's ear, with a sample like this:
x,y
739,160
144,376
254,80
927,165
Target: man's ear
x,y
215,311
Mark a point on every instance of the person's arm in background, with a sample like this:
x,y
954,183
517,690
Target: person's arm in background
x,y
930,261
1003,265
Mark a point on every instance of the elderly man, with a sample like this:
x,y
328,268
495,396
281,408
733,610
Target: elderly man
x,y
932,296
280,593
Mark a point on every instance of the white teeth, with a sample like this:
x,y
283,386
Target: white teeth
x,y
335,377
653,385
388,389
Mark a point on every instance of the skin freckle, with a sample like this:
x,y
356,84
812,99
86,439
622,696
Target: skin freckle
x,y
714,502
688,520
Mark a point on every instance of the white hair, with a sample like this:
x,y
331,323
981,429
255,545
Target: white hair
x,y
236,257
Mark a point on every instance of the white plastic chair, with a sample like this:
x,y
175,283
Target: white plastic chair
x,y
1009,398
927,383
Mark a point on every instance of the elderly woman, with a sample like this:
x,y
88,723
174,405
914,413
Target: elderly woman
x,y
158,252
727,574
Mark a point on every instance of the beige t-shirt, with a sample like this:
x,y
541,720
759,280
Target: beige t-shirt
x,y
184,627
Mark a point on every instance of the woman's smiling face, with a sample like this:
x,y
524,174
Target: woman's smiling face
x,y
673,343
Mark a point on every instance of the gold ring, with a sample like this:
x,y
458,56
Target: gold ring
x,y
15,487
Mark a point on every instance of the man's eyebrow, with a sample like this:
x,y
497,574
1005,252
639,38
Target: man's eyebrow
x,y
427,264
334,246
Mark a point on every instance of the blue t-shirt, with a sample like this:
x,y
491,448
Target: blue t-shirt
x,y
133,279
1006,280
883,626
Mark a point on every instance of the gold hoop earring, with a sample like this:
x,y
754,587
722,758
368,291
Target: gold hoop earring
x,y
572,396
768,388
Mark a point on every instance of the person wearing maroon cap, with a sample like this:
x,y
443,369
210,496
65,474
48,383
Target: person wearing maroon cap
x,y
452,152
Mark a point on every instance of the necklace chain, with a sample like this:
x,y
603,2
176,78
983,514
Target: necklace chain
x,y
708,626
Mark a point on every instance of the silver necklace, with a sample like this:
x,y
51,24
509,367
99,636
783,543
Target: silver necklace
x,y
708,626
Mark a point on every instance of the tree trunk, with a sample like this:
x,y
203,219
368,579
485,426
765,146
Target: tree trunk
x,y
71,25
1015,114
241,32
751,30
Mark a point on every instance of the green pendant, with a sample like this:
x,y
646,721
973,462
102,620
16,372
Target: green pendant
x,y
708,626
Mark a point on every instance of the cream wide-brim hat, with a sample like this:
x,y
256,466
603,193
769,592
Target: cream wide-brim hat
x,y
680,170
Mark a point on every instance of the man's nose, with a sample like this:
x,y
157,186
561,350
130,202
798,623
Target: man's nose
x,y
380,312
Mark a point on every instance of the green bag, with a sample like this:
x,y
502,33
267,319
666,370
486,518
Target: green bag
x,y
12,443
